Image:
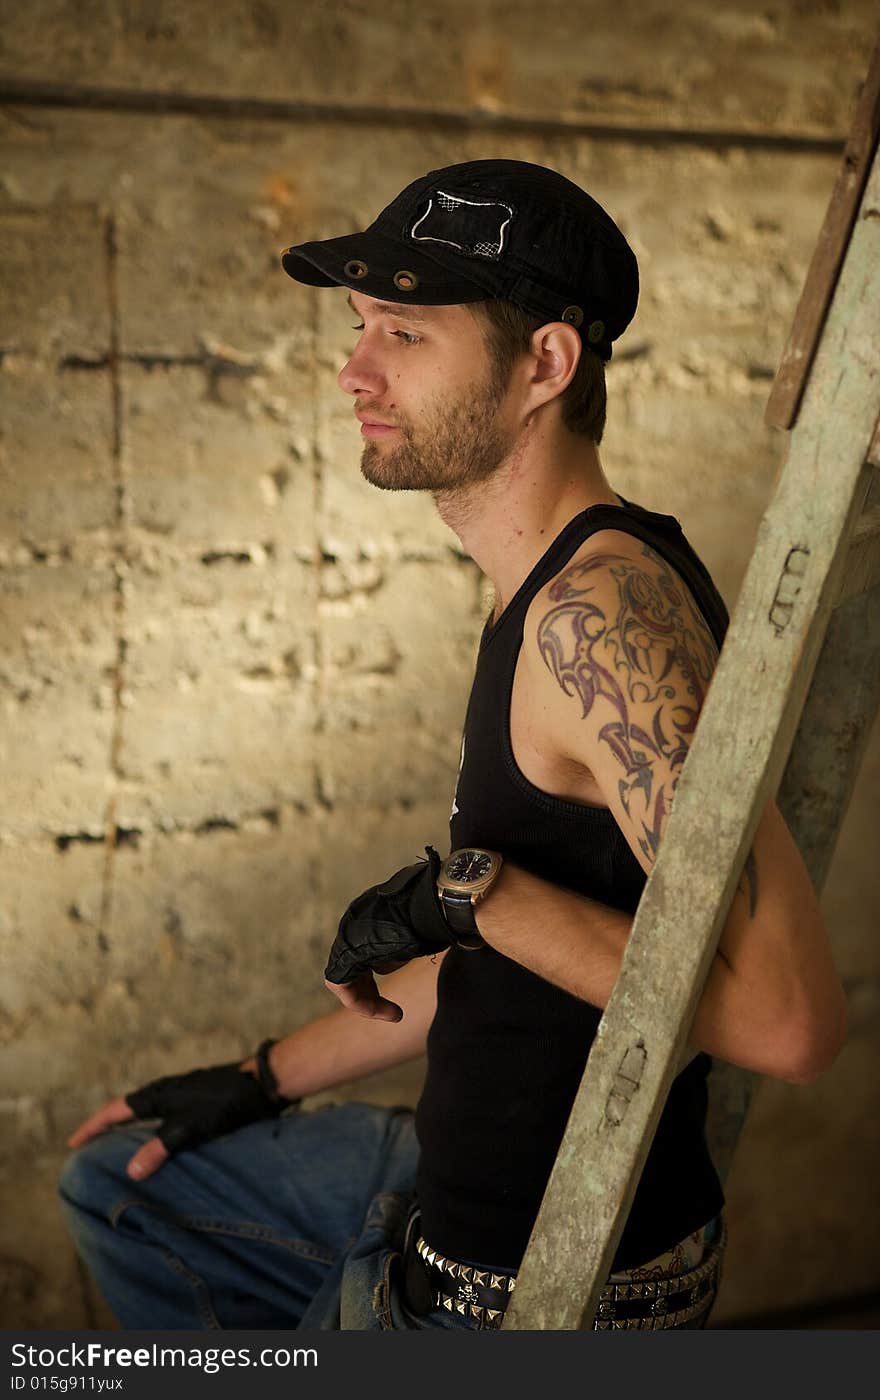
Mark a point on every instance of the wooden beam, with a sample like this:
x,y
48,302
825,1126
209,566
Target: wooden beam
x,y
797,357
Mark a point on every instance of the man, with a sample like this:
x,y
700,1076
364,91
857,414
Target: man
x,y
488,296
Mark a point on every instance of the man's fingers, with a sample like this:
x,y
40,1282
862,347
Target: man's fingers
x,y
362,996
385,1010
354,995
147,1159
116,1111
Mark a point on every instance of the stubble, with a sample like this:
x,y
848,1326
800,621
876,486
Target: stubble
x,y
458,442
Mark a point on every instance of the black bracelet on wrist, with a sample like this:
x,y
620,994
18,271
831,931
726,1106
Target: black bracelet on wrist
x,y
266,1074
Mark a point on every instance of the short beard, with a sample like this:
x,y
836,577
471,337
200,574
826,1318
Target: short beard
x,y
459,443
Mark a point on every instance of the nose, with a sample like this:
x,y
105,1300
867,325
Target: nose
x,y
361,374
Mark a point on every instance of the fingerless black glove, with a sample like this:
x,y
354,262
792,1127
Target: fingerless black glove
x,y
392,922
204,1104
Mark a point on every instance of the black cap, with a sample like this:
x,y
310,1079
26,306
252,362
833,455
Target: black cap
x,y
489,230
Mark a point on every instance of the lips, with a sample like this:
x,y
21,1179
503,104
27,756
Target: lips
x,y
377,430
375,427
373,422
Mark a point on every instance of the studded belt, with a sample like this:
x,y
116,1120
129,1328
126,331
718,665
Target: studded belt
x,y
482,1295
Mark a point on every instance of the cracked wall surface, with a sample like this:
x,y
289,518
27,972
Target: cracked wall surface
x,y
233,674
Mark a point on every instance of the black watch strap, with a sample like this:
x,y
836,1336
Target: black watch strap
x,y
458,911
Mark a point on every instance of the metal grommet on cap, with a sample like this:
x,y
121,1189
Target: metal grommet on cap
x,y
573,315
355,268
595,331
405,281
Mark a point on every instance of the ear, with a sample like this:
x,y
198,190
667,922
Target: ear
x,y
556,349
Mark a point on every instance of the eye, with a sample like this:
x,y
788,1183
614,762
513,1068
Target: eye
x,y
407,337
357,328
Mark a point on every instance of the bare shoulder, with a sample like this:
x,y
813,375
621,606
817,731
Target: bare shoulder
x,y
619,661
616,568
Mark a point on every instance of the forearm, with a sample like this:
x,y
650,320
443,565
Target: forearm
x,y
581,946
339,1047
568,939
772,1001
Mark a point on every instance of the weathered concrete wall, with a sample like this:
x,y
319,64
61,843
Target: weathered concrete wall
x,y
233,675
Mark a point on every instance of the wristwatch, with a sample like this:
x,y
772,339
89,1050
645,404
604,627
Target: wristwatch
x,y
466,876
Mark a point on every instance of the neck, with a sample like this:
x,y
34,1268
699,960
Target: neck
x,y
507,522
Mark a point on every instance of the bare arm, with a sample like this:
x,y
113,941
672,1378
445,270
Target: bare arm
x,y
618,662
319,1055
339,1047
772,1001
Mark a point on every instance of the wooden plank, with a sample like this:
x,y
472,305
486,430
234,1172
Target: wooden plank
x,y
745,733
797,357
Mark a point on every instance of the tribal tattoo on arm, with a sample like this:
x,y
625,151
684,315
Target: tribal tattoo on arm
x,y
635,654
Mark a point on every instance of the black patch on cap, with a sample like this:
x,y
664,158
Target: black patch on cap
x,y
477,228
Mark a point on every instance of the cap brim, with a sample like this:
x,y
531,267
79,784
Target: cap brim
x,y
325,264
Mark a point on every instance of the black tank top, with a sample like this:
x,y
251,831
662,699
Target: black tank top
x,y
506,1050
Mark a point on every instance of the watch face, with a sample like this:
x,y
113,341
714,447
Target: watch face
x,y
466,867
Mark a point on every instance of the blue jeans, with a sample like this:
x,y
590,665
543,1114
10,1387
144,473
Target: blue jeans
x,y
294,1222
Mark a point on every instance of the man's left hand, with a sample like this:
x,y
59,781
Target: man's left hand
x,y
385,927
